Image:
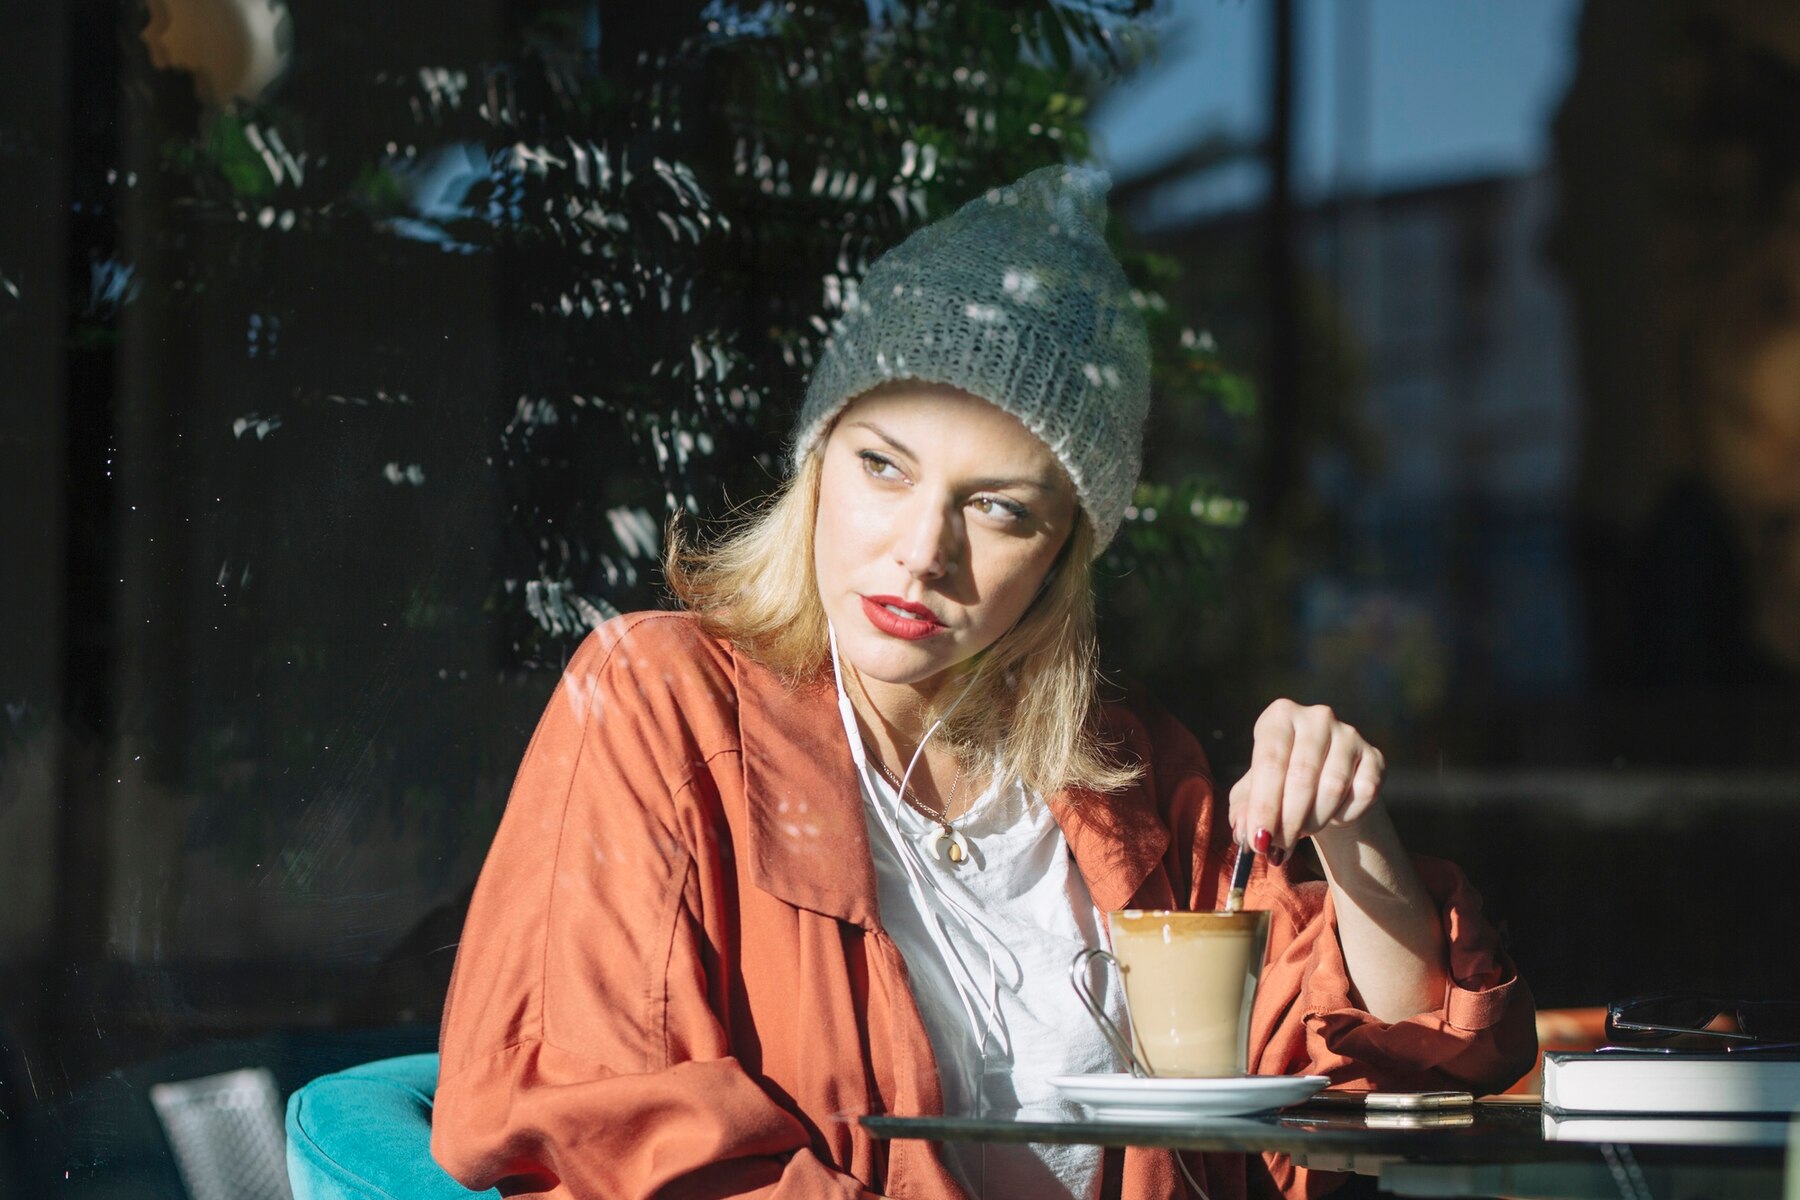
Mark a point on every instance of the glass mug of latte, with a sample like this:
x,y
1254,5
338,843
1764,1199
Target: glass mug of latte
x,y
1190,980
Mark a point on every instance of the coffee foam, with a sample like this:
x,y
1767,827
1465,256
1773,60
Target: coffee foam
x,y
1177,924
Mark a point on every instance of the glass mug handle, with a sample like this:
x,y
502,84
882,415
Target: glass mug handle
x,y
1080,971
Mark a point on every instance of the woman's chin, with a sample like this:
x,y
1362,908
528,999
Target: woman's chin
x,y
883,670
895,663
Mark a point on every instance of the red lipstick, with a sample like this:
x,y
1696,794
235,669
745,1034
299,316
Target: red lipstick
x,y
922,623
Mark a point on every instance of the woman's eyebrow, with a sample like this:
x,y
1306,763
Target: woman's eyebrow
x,y
884,435
1039,482
1019,481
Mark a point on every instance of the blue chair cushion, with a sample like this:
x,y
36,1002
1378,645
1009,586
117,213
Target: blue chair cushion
x,y
365,1134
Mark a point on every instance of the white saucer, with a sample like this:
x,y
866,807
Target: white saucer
x,y
1124,1098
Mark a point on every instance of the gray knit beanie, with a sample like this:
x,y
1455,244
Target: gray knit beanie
x,y
1016,299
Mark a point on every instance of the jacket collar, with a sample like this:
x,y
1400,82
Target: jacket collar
x,y
1118,841
808,840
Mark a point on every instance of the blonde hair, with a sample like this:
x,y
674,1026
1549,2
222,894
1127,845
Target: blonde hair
x,y
1031,696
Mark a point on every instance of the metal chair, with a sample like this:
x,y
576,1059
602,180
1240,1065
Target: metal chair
x,y
225,1131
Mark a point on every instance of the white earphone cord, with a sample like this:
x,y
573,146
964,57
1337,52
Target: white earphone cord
x,y
943,906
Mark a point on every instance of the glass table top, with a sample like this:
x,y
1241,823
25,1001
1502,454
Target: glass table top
x,y
1490,1131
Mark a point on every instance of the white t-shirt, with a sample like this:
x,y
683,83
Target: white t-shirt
x,y
988,944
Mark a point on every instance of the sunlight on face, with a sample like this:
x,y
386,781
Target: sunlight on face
x,y
939,516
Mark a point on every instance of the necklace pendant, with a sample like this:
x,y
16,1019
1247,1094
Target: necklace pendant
x,y
949,842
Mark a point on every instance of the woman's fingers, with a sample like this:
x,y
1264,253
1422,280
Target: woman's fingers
x,y
1308,770
1306,763
1365,785
1337,779
1269,768
1240,801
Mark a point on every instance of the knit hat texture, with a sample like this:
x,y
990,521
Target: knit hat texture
x,y
1014,298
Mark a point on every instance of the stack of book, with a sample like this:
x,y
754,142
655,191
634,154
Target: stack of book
x,y
1638,1097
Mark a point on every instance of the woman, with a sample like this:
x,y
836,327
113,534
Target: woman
x,y
825,842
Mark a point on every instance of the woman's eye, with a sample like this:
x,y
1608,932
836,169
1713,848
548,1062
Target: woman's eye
x,y
878,466
994,506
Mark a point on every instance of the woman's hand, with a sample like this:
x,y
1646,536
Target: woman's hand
x,y
1313,776
1309,772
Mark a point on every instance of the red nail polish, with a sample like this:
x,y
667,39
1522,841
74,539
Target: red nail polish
x,y
1277,856
1261,841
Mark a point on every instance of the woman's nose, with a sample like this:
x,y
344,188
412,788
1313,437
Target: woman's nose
x,y
930,547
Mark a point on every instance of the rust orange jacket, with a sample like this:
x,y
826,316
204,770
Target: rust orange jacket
x,y
674,979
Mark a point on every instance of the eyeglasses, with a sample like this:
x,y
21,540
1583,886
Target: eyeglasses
x,y
1760,1024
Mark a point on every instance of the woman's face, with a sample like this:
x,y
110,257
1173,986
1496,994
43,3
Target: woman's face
x,y
939,516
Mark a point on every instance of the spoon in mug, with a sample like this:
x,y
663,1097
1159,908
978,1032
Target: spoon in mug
x,y
1240,871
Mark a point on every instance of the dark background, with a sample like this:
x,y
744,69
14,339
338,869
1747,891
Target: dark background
x,y
339,406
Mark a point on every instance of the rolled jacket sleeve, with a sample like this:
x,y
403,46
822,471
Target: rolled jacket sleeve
x,y
1480,1038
